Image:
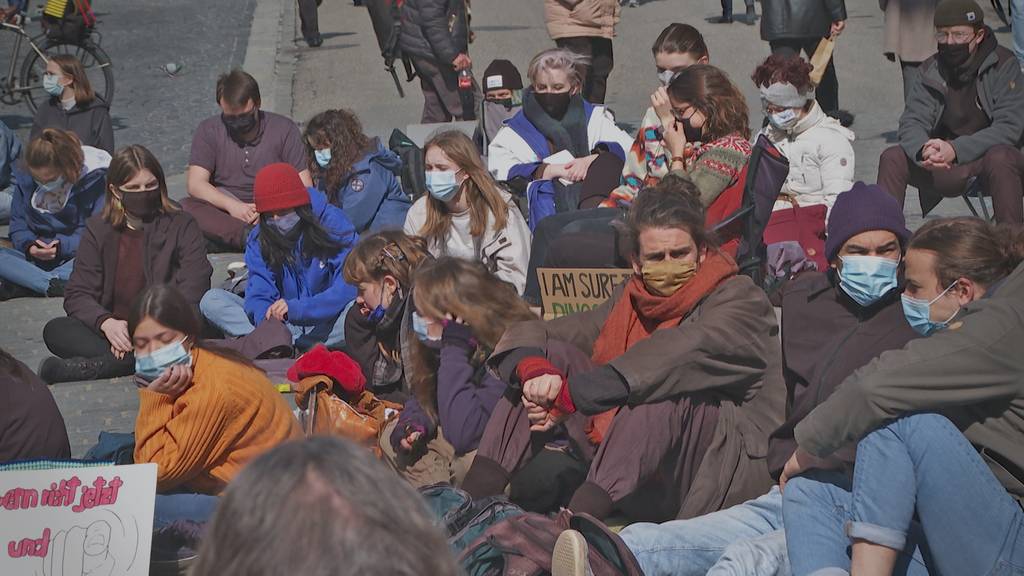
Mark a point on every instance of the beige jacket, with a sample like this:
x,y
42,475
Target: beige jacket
x,y
576,18
909,28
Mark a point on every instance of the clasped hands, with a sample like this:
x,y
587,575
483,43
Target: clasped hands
x,y
539,394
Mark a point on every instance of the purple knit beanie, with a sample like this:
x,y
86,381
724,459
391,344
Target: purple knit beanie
x,y
862,208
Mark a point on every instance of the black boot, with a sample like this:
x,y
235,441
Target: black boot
x,y
10,290
751,15
723,19
56,288
55,370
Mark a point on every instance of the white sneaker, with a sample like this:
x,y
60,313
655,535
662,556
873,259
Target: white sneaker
x,y
569,558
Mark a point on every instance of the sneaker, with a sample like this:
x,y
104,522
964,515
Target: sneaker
x,y
569,557
56,288
720,20
56,370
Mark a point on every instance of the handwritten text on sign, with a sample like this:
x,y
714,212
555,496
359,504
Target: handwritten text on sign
x,y
566,291
77,521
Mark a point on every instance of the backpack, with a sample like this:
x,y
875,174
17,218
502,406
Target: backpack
x,y
463,519
414,175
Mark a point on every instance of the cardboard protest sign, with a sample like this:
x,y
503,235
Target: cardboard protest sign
x,y
77,521
565,291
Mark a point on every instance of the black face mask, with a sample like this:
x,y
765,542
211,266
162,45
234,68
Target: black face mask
x,y
954,56
692,134
144,204
240,127
556,104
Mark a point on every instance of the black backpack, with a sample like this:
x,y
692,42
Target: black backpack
x,y
414,168
385,16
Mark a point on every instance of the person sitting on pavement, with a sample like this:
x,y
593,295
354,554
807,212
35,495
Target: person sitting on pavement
x,y
503,99
228,151
31,425
964,118
59,186
466,214
295,257
356,172
378,328
204,412
557,121
833,322
10,153
937,425
369,522
678,47
142,238
461,312
677,379
73,105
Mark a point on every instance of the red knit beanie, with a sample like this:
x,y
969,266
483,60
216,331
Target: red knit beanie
x,y
278,187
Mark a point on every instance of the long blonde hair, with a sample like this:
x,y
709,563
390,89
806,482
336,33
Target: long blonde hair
x,y
482,194
467,291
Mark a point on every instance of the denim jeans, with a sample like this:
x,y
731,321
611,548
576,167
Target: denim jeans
x,y
746,539
5,205
227,312
920,464
1017,20
16,269
183,506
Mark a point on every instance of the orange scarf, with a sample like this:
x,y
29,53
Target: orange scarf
x,y
638,313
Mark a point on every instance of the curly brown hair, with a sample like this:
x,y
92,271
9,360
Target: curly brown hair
x,y
779,68
342,131
710,91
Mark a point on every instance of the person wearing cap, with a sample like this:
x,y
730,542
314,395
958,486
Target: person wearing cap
x,y
295,257
833,322
503,98
964,118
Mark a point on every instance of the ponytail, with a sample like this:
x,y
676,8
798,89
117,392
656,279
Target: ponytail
x,y
968,247
59,150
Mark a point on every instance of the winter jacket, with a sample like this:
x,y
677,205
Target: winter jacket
x,y
10,151
727,348
436,30
371,195
820,154
373,347
90,122
782,19
972,372
909,29
85,198
581,18
314,289
31,425
174,253
466,396
1000,95
826,336
506,252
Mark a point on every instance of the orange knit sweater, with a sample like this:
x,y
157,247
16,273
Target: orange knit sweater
x,y
200,440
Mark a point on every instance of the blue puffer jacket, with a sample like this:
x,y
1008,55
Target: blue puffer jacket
x,y
85,198
314,289
372,195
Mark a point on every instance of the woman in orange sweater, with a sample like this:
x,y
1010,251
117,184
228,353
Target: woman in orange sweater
x,y
204,413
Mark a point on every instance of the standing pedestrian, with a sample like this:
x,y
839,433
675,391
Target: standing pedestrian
x,y
310,23
726,17
910,35
1017,21
435,35
586,27
790,26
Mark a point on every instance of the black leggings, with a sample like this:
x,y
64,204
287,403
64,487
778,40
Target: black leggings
x,y
68,337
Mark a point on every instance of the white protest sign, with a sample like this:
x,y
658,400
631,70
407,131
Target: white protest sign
x,y
77,521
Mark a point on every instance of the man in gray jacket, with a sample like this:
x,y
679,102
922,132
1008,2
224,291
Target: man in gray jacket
x,y
964,118
435,35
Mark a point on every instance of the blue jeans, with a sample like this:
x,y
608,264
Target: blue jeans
x,y
5,205
16,269
226,311
1017,20
183,506
746,539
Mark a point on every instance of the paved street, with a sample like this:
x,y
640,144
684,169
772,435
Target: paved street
x,y
210,37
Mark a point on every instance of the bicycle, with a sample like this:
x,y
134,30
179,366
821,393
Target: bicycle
x,y
28,85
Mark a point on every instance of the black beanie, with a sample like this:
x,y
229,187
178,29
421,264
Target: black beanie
x,y
959,13
501,75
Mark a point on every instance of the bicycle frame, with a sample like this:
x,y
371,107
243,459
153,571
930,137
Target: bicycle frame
x,y
10,87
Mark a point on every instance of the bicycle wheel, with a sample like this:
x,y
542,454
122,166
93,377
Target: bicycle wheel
x,y
98,69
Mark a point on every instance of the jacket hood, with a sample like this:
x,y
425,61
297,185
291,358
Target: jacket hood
x,y
94,169
381,156
815,118
80,108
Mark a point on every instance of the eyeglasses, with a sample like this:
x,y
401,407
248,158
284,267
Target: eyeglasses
x,y
956,37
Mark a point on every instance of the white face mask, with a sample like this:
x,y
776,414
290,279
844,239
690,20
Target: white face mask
x,y
667,76
784,120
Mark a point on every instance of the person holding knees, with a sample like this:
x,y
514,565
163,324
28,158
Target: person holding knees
x,y
73,105
356,172
59,187
466,214
295,257
142,238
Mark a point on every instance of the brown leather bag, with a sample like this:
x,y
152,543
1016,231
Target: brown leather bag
x,y
329,415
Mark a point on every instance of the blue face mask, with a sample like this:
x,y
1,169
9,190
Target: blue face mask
x,y
323,157
152,366
284,224
51,83
442,185
919,313
51,186
419,326
867,278
377,314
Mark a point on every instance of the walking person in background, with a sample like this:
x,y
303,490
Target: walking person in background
x,y
726,17
790,26
586,27
73,105
310,24
910,35
435,34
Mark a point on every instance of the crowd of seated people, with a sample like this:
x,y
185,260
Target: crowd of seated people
x,y
859,416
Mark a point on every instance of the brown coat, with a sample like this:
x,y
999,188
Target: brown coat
x,y
581,18
727,347
174,253
909,28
